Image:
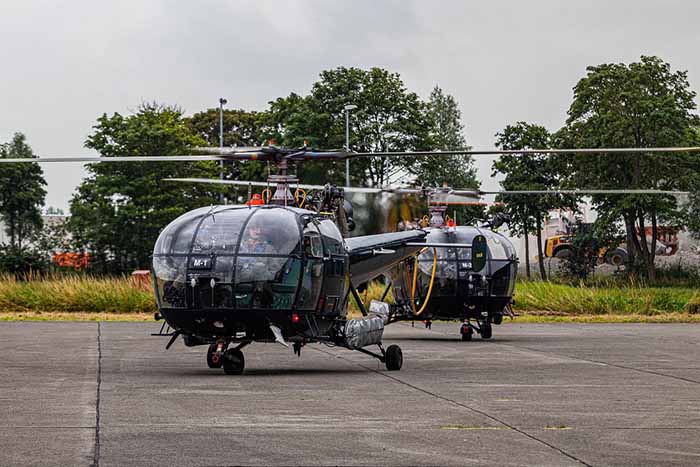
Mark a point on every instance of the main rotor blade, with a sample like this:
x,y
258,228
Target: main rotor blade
x,y
88,159
271,153
305,186
318,155
585,192
216,181
496,152
473,193
354,189
456,200
232,150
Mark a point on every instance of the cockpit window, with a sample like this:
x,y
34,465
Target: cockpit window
x,y
331,237
271,231
446,267
497,247
313,247
177,236
266,282
219,232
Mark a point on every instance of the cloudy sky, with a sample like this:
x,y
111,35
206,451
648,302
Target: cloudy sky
x,y
64,63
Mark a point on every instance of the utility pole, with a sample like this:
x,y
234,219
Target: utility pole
x,y
347,108
222,103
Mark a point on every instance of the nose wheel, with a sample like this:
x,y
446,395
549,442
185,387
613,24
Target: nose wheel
x,y
466,331
484,328
215,355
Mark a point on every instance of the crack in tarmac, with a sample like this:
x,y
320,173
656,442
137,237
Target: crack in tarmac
x,y
459,404
96,454
586,360
601,362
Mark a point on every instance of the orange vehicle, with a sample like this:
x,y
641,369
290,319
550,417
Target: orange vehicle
x,y
559,246
71,260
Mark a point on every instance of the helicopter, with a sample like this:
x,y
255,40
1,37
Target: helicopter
x,y
282,271
464,273
472,284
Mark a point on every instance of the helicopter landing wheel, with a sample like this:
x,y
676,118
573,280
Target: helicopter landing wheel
x,y
214,359
233,362
467,332
485,330
393,358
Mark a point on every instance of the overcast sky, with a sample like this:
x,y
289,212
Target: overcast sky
x,y
64,63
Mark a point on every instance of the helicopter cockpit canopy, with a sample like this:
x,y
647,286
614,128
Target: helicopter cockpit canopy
x,y
459,263
241,257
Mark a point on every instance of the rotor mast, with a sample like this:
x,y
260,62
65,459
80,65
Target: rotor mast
x,y
437,208
282,196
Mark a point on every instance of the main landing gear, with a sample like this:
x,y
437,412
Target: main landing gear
x,y
232,360
482,327
392,357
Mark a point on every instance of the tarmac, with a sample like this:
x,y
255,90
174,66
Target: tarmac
x,y
108,394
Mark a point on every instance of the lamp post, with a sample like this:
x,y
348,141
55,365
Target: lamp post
x,y
222,103
347,108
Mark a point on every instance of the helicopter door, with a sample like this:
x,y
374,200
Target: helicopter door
x,y
479,253
335,268
312,280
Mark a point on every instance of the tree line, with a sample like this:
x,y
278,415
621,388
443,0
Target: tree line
x,y
641,104
119,209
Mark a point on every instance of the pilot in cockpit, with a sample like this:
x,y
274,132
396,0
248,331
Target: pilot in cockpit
x,y
255,242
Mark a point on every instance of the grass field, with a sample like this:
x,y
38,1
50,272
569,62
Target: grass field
x,y
82,294
605,299
91,298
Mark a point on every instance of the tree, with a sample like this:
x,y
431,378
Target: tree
x,y
587,240
22,261
388,118
119,209
643,104
54,238
241,128
528,172
293,121
691,207
446,133
22,192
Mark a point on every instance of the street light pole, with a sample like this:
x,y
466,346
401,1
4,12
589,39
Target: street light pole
x,y
347,108
222,103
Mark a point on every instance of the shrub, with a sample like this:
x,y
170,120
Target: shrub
x,y
21,261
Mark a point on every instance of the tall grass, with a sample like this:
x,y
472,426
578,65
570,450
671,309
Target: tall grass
x,y
76,293
602,298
